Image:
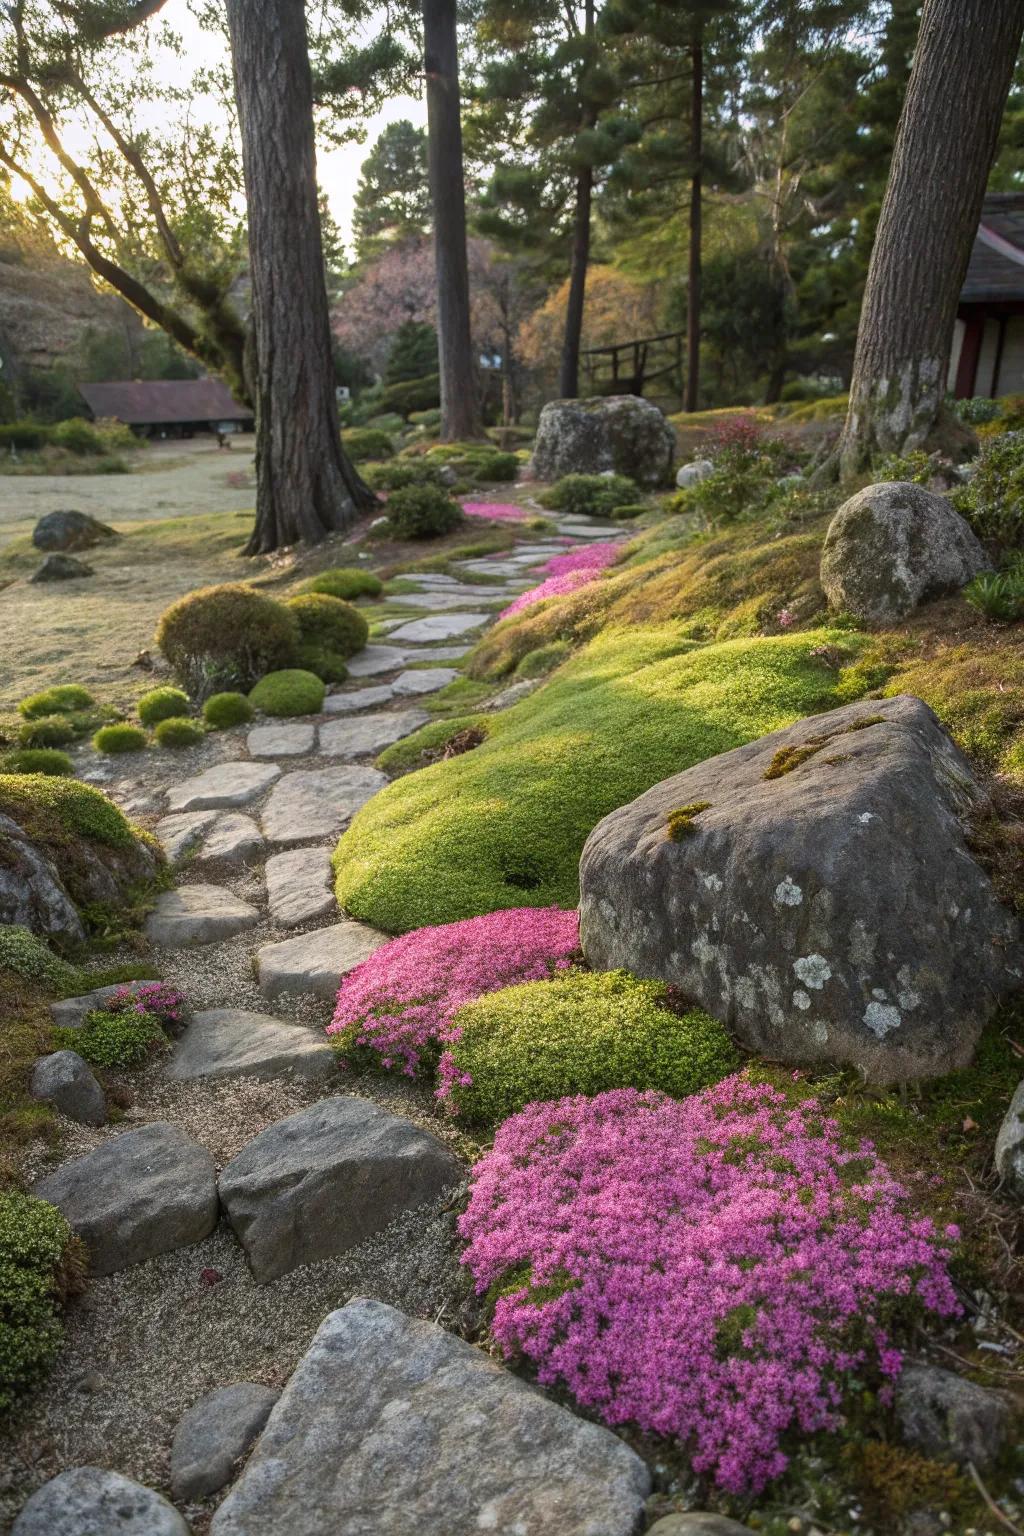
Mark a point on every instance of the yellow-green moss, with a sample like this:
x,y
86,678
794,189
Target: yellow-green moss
x,y
680,824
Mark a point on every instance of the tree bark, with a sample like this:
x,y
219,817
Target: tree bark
x,y
305,486
460,407
693,295
569,369
945,143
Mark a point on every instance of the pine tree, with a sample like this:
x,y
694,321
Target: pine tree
x,y
392,201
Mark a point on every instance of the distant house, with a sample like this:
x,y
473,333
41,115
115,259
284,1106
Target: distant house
x,y
169,407
988,347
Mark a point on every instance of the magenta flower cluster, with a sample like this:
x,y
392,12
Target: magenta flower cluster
x,y
710,1269
401,1001
592,557
163,1002
554,586
496,511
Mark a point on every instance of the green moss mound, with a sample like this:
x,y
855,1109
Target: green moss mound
x,y
589,495
113,1040
178,731
504,825
345,582
162,704
581,1033
28,956
49,731
40,1262
113,739
226,637
327,665
544,659
37,760
224,710
329,623
62,700
52,811
291,692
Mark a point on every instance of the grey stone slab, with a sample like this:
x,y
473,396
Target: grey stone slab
x,y
64,1080
441,626
368,734
141,1193
231,1042
281,740
182,834
70,1012
438,653
315,962
299,886
374,659
445,602
198,914
427,1434
226,785
428,680
317,803
360,698
233,841
212,1436
585,530
491,568
88,1501
325,1179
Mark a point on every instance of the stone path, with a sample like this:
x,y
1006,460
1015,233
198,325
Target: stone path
x,y
254,914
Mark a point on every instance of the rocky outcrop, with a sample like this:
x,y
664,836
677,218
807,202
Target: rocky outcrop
x,y
814,891
893,546
426,1434
622,434
32,894
689,475
61,568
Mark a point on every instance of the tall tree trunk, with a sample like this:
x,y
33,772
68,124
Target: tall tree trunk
x,y
569,368
460,408
945,143
305,486
690,402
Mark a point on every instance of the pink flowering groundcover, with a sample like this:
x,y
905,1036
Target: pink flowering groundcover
x,y
399,1003
496,511
714,1270
592,557
555,586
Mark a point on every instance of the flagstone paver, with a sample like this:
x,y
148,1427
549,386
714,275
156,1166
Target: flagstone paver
x,y
281,740
375,659
198,914
428,680
441,626
360,698
232,1042
315,962
369,733
225,785
317,803
299,886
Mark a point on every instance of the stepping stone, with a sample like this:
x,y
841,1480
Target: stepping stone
x,y
429,680
198,914
375,658
426,1434
214,1434
70,1012
182,833
87,1501
228,784
299,886
368,734
318,802
229,1042
434,653
361,698
584,530
443,601
441,626
491,568
142,1193
64,1080
233,841
315,962
325,1179
281,740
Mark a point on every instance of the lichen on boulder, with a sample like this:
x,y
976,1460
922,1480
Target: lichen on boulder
x,y
623,434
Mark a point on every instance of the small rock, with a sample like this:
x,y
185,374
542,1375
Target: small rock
x,y
65,1081
315,962
369,733
233,841
448,475
374,659
1009,1153
360,698
62,568
317,803
281,740
425,680
688,475
514,693
943,1414
70,531
225,785
299,886
141,1193
87,1501
213,1435
70,1012
229,1042
198,914
440,626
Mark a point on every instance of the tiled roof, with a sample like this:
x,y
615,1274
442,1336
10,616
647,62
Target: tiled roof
x,y
142,402
996,270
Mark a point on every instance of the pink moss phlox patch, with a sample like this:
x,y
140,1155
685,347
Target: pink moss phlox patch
x,y
555,586
711,1269
155,997
401,1001
593,557
496,511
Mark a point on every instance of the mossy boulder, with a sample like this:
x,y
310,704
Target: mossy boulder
x,y
621,433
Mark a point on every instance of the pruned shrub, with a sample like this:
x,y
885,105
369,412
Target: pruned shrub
x,y
401,473
64,699
114,1039
719,1271
290,692
328,666
178,731
493,465
41,1263
347,582
627,513
112,739
363,443
37,760
413,395
589,495
226,637
581,1033
162,704
422,512
49,731
223,710
993,501
329,623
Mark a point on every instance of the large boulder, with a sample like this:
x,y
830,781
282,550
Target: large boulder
x,y
893,546
88,1501
32,894
621,433
391,1425
70,531
814,891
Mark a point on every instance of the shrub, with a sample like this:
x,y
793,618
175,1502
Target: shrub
x,y
915,467
328,666
581,1033
226,637
125,1038
65,699
589,495
345,582
223,710
291,692
119,738
178,731
329,623
399,1003
362,443
37,760
402,473
976,410
494,466
77,436
50,731
27,955
993,501
162,704
413,395
422,512
40,1263
627,513
716,1270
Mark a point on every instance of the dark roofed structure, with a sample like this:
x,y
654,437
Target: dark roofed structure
x,y
169,407
988,348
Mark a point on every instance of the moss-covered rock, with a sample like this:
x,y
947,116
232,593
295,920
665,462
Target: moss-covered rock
x,y
622,433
